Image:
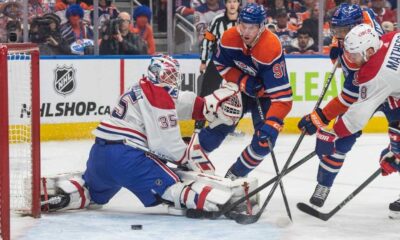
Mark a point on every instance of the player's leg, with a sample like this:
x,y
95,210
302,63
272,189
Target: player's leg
x,y
99,175
394,208
254,153
329,167
153,182
391,109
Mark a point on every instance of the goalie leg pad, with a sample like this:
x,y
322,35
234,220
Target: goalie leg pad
x,y
196,195
197,159
238,188
64,192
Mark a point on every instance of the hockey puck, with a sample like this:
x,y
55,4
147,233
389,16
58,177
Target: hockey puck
x,y
136,227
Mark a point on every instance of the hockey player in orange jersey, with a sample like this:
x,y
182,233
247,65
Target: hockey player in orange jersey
x,y
252,57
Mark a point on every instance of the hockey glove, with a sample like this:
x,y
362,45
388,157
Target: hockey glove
x,y
325,142
389,162
394,135
269,130
251,86
313,121
335,52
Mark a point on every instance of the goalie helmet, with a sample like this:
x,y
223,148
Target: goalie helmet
x,y
164,70
360,39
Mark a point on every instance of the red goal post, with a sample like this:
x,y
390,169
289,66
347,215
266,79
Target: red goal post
x,y
19,133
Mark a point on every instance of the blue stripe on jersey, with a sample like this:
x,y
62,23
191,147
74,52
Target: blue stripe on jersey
x,y
118,133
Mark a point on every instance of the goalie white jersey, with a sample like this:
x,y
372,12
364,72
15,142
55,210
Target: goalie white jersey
x,y
148,115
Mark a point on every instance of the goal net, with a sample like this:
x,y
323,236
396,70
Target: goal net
x,y
19,133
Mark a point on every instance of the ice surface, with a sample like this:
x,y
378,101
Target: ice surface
x,y
365,217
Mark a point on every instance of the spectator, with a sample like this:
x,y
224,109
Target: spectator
x,y
118,39
45,32
3,30
36,8
106,12
286,31
184,8
142,17
61,7
303,44
272,27
204,14
64,4
388,26
76,33
381,13
14,31
278,5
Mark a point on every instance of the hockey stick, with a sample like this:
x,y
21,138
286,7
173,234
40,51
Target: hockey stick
x,y
246,219
133,144
275,162
192,213
326,216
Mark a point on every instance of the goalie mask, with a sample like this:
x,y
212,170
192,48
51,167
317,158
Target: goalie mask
x,y
164,70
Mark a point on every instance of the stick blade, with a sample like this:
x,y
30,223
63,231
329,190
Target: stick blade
x,y
244,218
313,212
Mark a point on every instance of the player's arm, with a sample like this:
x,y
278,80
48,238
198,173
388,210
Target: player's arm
x,y
225,65
372,94
277,88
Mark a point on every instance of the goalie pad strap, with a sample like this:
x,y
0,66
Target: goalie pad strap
x,y
81,192
46,195
203,196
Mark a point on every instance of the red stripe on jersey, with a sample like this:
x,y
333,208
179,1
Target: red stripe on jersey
x,y
202,197
124,129
198,109
157,96
165,168
341,129
279,94
186,194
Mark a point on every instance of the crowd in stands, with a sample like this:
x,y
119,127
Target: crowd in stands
x,y
67,26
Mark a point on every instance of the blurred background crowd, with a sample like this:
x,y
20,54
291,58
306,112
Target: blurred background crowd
x,y
133,27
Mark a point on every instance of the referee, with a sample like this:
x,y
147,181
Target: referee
x,y
222,22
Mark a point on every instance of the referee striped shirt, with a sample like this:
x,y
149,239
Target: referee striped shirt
x,y
217,27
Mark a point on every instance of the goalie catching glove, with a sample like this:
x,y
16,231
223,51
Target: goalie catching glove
x,y
223,106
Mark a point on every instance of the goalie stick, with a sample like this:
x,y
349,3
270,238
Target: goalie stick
x,y
326,216
192,213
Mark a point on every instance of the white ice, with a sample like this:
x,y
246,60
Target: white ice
x,y
365,217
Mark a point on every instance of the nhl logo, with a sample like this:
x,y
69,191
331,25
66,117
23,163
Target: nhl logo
x,y
64,80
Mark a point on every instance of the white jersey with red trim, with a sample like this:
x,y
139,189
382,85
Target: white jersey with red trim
x,y
378,79
148,115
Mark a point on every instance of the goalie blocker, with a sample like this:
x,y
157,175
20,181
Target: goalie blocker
x,y
199,191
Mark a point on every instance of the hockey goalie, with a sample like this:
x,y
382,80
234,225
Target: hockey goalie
x,y
146,117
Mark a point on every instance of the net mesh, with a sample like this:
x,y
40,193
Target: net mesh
x,y
20,139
